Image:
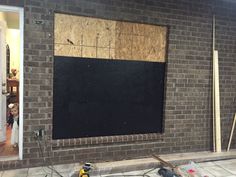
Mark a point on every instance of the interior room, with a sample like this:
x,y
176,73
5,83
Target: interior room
x,y
10,35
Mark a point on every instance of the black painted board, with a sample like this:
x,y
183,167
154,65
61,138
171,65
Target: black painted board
x,y
99,97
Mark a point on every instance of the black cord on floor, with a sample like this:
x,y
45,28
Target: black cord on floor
x,y
50,166
150,170
142,175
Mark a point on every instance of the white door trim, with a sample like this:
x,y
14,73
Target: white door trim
x,y
21,91
19,10
3,80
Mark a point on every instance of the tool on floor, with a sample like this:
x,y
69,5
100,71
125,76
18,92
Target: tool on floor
x,y
167,173
232,131
84,171
174,172
187,170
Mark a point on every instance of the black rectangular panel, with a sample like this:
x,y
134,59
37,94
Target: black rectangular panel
x,y
96,97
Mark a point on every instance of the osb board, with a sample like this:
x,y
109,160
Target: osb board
x,y
88,37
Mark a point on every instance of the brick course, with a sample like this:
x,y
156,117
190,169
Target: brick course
x,y
188,97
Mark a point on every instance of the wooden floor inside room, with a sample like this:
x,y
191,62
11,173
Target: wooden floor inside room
x,y
6,149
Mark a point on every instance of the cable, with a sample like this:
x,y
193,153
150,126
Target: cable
x,y
50,166
45,143
142,175
42,154
51,163
150,170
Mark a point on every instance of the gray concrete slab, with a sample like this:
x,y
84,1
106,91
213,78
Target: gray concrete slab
x,y
152,172
66,168
224,168
206,164
16,173
37,171
205,172
53,175
137,173
113,175
228,166
138,167
217,171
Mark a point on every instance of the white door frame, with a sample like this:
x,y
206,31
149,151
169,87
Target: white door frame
x,y
3,88
19,10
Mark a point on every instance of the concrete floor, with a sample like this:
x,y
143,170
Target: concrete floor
x,y
219,165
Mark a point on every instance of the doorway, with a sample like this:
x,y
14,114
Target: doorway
x,y
11,83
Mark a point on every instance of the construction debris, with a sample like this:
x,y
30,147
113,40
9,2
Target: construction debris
x,y
188,170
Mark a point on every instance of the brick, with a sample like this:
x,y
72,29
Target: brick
x,y
188,77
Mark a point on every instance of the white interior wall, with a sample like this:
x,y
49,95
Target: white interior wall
x,y
13,40
2,16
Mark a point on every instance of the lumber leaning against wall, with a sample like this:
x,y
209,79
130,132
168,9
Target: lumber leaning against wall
x,y
217,103
216,96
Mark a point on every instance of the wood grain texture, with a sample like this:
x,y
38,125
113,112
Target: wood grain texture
x,y
217,103
97,38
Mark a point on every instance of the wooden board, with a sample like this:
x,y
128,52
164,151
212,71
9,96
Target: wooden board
x,y
216,91
231,132
108,39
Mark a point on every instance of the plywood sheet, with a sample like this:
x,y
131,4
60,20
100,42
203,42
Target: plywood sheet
x,y
68,50
137,47
123,46
98,38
